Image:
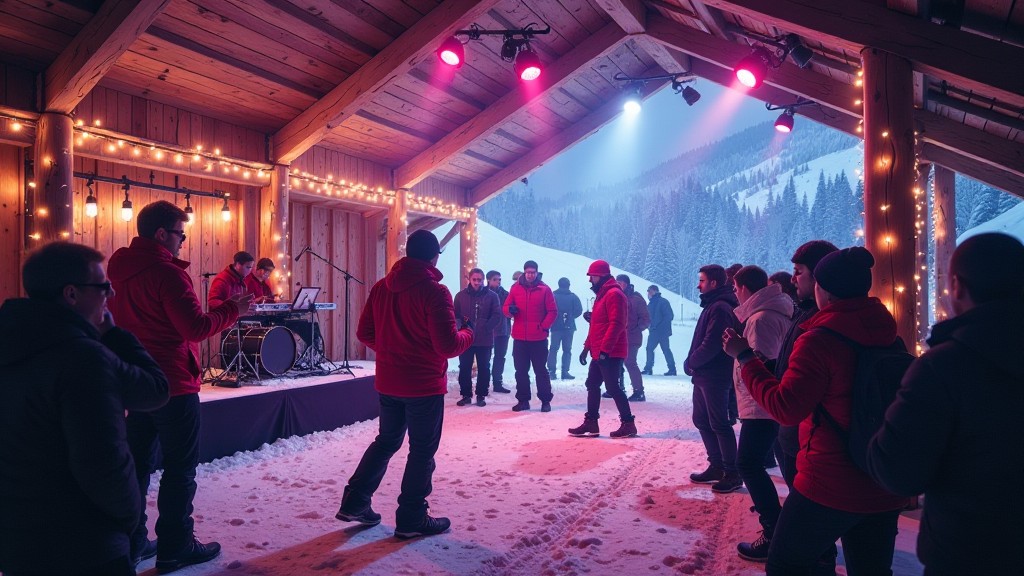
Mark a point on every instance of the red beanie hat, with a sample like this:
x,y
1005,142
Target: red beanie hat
x,y
599,268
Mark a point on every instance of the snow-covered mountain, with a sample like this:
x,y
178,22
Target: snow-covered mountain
x,y
1010,222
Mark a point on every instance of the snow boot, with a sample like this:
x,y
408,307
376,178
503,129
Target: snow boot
x,y
194,553
429,527
627,429
756,551
466,401
731,482
671,372
710,476
589,428
648,372
637,397
567,376
522,405
366,516
480,401
147,552
501,389
545,406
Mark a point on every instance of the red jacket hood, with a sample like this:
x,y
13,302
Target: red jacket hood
x,y
864,320
140,255
409,272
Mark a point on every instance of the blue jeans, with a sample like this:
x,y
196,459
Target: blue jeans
x,y
423,418
711,418
807,530
500,351
757,439
653,341
563,339
174,430
482,354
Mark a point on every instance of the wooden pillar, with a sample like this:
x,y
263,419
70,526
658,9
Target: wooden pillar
x,y
51,190
398,227
467,248
944,229
923,317
275,241
889,180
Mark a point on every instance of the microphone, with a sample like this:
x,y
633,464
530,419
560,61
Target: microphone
x,y
304,250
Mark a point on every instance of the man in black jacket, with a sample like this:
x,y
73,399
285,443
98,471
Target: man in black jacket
x,y
660,331
569,309
68,495
956,418
501,333
479,306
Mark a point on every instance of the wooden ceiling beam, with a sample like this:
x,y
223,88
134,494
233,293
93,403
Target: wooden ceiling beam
x,y
971,61
95,50
631,16
523,95
978,145
552,147
987,174
400,57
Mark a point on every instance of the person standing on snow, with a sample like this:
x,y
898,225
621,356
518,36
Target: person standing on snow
x,y
501,333
531,305
477,303
660,331
637,320
569,309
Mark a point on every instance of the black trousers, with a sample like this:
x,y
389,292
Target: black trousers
x,y
757,439
531,353
174,430
482,355
606,372
423,417
711,418
655,340
500,351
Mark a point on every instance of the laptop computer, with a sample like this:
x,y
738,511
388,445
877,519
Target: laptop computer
x,y
306,296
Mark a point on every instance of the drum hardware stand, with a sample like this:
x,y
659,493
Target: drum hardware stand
x,y
235,365
344,367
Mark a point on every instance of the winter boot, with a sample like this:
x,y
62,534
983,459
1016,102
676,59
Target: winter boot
x,y
589,428
545,406
671,372
501,389
710,476
480,401
466,401
606,394
366,516
756,551
731,482
567,376
522,405
147,552
637,396
627,429
429,527
193,553
648,372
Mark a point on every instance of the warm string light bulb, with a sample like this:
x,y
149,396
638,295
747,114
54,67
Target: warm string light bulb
x,y
91,209
126,207
189,212
225,212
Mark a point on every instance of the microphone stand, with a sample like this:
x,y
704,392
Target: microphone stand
x,y
345,366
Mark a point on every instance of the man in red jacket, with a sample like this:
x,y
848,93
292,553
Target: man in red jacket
x,y
154,300
231,281
531,306
832,497
409,321
257,282
607,344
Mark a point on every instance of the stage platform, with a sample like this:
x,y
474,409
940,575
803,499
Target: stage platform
x,y
240,419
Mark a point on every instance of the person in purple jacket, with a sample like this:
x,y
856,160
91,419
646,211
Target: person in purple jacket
x,y
479,306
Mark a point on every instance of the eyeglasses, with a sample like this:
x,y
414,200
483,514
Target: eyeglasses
x,y
180,233
105,287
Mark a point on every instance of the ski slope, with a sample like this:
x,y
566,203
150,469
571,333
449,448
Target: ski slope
x,y
850,161
1010,222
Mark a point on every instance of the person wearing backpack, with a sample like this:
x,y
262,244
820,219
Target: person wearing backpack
x,y
832,497
956,418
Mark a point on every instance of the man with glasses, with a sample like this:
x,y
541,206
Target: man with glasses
x,y
257,282
156,301
68,480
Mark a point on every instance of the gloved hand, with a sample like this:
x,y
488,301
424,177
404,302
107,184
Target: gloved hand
x,y
587,315
583,356
602,358
513,310
467,323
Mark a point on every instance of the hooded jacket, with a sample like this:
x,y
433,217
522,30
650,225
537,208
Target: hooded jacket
x,y
822,370
260,290
67,478
569,308
707,362
765,319
409,321
789,436
608,322
637,317
226,283
537,309
661,315
156,302
483,310
505,326
956,419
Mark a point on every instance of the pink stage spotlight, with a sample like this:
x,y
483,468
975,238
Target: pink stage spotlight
x,y
452,52
528,65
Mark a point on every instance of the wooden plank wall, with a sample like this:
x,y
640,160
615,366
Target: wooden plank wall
x,y
324,163
11,205
444,191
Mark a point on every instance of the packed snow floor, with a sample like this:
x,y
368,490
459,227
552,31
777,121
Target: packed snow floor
x,y
523,496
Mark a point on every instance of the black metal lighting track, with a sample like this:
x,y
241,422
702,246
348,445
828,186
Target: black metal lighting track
x,y
125,183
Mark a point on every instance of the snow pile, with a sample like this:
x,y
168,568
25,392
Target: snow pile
x,y
1010,222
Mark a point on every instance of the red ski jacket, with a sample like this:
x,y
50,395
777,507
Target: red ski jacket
x,y
225,285
822,370
154,300
409,321
537,310
608,322
260,291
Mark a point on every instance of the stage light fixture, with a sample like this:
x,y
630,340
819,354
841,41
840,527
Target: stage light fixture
x,y
126,207
784,123
528,65
631,104
91,209
225,212
452,52
188,209
690,96
752,70
800,54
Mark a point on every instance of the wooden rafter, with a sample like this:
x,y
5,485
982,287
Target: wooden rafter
x,y
631,16
552,147
986,173
95,50
487,122
398,58
971,61
978,145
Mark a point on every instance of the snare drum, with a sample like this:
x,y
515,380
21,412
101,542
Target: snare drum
x,y
270,350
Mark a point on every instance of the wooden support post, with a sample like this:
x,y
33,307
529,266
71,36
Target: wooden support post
x,y
53,216
398,226
467,248
923,317
275,242
944,229
889,181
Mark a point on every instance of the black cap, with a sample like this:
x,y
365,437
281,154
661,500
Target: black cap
x,y
422,245
845,273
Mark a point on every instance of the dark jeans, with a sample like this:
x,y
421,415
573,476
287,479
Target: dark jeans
x,y
482,354
636,379
807,530
606,372
653,341
787,466
423,418
117,567
500,350
563,339
174,430
757,439
711,418
524,354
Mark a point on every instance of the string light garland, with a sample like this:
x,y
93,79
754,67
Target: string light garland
x,y
354,191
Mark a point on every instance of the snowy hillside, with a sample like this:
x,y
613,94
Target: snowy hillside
x,y
1010,222
849,161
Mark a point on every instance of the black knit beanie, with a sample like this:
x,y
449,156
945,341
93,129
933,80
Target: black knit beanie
x,y
422,245
846,273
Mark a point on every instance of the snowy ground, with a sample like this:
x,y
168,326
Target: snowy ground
x,y
524,498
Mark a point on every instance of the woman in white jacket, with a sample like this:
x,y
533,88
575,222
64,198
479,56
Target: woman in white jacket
x,y
764,314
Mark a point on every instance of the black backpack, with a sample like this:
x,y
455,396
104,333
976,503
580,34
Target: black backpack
x,y
880,370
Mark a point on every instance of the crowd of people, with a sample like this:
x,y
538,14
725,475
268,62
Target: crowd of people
x,y
100,378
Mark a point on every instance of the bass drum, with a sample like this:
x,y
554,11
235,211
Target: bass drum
x,y
270,350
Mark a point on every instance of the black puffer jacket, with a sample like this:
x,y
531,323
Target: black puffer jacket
x,y
707,362
68,493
